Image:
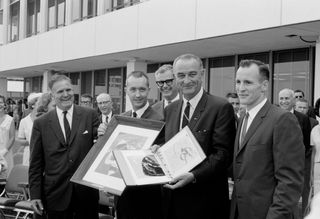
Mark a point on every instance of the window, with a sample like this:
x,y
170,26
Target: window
x,y
100,82
222,75
118,4
14,20
116,78
84,9
291,70
33,17
86,82
263,57
56,13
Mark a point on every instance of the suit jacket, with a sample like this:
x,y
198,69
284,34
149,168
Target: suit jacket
x,y
304,123
268,169
100,117
159,108
313,122
53,162
213,125
141,202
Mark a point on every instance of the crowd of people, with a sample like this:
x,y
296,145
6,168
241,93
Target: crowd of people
x,y
270,153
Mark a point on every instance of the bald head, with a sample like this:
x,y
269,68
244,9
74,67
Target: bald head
x,y
104,103
286,99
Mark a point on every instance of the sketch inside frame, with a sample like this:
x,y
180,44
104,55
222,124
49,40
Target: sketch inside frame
x,y
104,171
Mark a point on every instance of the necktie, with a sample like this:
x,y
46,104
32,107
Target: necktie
x,y
66,126
244,129
106,121
134,114
185,118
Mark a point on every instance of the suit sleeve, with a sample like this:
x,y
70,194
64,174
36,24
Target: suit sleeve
x,y
221,148
288,156
95,124
37,164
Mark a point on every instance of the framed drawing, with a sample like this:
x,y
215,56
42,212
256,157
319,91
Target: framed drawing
x,y
99,168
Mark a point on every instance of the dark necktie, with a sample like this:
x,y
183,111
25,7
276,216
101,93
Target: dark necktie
x,y
134,114
66,126
244,129
106,121
185,118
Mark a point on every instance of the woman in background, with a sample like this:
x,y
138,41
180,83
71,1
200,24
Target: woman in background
x,y
26,125
45,104
315,141
7,133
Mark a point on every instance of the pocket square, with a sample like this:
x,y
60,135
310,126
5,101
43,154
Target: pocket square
x,y
85,132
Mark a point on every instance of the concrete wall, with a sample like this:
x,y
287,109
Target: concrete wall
x,y
154,23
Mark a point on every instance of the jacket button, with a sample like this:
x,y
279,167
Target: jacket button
x,y
71,161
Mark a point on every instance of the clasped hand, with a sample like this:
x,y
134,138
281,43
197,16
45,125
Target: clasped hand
x,y
179,181
37,206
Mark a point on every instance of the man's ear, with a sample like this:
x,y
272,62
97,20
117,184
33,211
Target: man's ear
x,y
265,85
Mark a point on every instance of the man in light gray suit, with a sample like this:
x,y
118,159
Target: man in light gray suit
x,y
167,85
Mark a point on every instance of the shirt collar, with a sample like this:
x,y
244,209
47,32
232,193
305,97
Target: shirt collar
x,y
60,111
254,111
174,99
195,100
141,111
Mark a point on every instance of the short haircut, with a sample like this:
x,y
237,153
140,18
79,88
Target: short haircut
x,y
86,95
232,95
138,74
163,69
58,77
299,91
264,71
302,100
291,92
43,102
188,57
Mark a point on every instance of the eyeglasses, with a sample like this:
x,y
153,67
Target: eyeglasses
x,y
86,102
103,102
298,97
169,82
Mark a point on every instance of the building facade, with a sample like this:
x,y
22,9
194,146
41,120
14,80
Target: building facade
x,y
98,42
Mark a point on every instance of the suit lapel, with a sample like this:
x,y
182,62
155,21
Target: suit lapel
x,y
198,110
75,122
146,113
177,113
55,126
254,125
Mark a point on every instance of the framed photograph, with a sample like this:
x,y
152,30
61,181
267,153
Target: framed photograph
x,y
99,168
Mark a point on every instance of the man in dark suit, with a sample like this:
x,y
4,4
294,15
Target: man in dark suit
x,y
143,202
105,106
268,159
202,192
60,140
167,85
302,107
287,102
299,94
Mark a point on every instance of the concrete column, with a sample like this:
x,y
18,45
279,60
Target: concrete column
x,y
3,87
23,20
134,65
317,72
43,16
103,6
69,12
46,78
5,25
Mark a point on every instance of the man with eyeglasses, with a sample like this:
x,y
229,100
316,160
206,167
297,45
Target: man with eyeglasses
x,y
299,94
105,106
167,85
86,100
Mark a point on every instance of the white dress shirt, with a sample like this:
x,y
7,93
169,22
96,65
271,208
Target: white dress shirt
x,y
193,104
69,118
141,111
166,103
104,117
